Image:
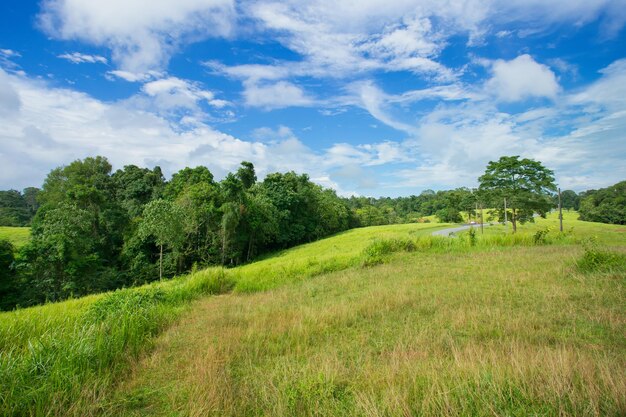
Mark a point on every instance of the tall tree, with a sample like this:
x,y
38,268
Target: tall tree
x,y
526,184
164,221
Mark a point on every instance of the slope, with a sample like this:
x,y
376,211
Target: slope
x,y
489,330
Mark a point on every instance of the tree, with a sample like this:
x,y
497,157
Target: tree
x,y
135,187
164,221
13,209
526,184
606,205
61,259
570,200
185,178
246,174
7,275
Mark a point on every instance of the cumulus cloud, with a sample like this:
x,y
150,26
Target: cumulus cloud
x,y
79,58
521,78
52,126
142,34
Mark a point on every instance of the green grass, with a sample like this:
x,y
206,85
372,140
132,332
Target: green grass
x,y
331,254
16,235
607,234
391,322
516,331
69,354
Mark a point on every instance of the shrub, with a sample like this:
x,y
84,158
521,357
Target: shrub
x,y
595,259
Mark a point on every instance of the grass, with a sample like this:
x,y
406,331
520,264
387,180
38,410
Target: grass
x,y
394,322
16,235
60,358
517,331
610,235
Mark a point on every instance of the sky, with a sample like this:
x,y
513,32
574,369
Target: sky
x,y
369,97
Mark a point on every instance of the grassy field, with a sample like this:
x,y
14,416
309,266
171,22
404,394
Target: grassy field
x,y
16,235
605,234
60,358
510,332
389,322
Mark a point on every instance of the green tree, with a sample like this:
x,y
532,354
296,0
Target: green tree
x,y
187,177
135,187
246,174
569,200
61,259
164,221
525,183
14,210
7,275
606,205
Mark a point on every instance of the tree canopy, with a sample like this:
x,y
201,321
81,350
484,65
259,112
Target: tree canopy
x,y
526,184
606,205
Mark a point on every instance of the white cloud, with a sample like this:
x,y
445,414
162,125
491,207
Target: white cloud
x,y
374,100
6,59
275,95
79,58
10,101
521,78
53,126
609,91
9,53
133,77
142,34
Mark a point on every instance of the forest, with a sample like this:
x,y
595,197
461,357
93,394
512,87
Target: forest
x,y
94,230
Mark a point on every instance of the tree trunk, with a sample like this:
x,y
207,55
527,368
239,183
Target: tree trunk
x,y
223,245
161,264
513,220
250,247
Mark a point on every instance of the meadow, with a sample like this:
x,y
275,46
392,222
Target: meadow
x,y
375,321
18,236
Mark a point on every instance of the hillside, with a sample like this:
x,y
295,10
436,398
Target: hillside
x,y
390,322
18,236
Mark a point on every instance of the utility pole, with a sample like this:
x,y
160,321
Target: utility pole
x,y
560,213
505,219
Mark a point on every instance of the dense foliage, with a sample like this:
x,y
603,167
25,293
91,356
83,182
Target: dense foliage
x,y
526,185
606,205
18,208
98,230
445,205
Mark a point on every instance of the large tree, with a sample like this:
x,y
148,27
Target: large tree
x,y
526,184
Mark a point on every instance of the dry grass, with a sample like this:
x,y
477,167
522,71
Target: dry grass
x,y
504,332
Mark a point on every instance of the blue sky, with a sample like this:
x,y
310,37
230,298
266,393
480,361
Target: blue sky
x,y
379,98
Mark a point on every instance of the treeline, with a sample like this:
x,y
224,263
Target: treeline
x,y
18,208
94,230
97,230
446,205
606,205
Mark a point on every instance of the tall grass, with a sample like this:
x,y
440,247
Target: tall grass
x,y
516,331
377,252
60,358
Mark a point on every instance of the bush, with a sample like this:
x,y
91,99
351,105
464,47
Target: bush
x,y
600,260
